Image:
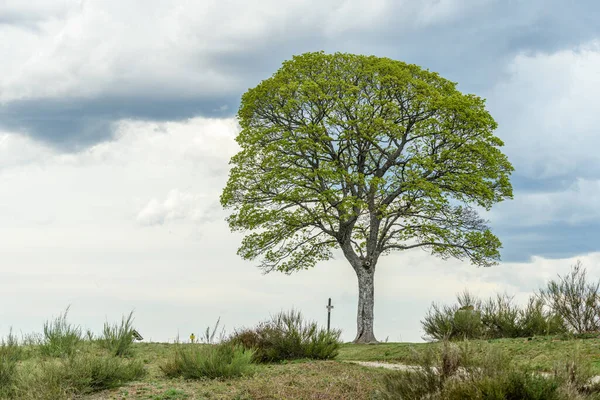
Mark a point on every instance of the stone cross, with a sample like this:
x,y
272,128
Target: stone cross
x,y
329,307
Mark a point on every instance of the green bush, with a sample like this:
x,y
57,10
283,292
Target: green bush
x,y
467,324
500,317
78,375
438,323
247,338
288,336
322,345
44,381
10,354
459,321
452,373
60,337
575,299
511,385
535,320
494,318
91,373
224,360
118,339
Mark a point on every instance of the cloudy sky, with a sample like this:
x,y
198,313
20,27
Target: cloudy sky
x,y
117,124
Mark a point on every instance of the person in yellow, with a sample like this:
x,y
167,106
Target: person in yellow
x,y
192,338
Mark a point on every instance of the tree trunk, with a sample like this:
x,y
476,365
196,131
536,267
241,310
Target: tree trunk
x,y
366,303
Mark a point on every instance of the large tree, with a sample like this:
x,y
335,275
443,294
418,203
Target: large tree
x,y
365,154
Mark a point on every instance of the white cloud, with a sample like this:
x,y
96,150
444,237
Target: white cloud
x,y
18,150
353,15
577,204
431,12
71,234
177,206
114,179
547,112
114,48
36,9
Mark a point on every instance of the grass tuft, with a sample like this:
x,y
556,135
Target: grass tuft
x,y
78,375
118,339
209,361
10,354
60,337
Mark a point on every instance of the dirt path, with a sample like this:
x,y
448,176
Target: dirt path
x,y
376,364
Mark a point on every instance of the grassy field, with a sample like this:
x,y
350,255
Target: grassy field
x,y
302,379
298,380
539,353
336,379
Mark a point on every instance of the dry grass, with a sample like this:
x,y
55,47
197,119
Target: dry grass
x,y
299,380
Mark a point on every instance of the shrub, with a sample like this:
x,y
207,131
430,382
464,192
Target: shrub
x,y
118,339
438,323
427,379
467,324
452,373
575,300
459,321
44,381
512,384
78,375
60,337
575,373
412,385
211,361
246,337
323,345
10,354
288,336
497,317
91,373
500,316
534,320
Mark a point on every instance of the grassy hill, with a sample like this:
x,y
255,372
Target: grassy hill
x,y
305,379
